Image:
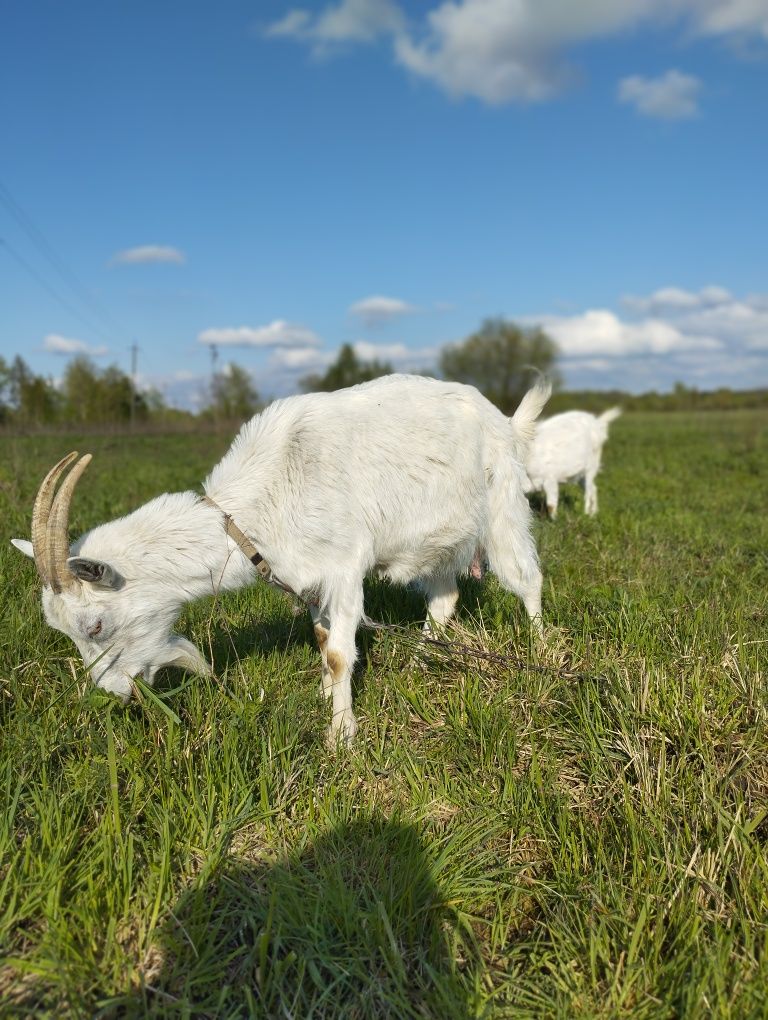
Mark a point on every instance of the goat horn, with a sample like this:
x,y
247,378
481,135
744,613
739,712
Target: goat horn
x,y
40,514
57,539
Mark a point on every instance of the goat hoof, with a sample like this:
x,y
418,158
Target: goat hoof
x,y
342,733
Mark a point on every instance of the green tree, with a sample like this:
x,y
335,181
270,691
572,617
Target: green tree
x,y
80,391
346,370
95,396
233,395
501,360
5,386
32,399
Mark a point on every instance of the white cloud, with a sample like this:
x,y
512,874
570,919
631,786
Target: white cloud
x,y
500,51
601,332
596,364
346,22
732,17
711,311
276,334
301,359
398,355
735,321
287,365
376,310
295,23
671,96
670,299
148,253
56,344
705,337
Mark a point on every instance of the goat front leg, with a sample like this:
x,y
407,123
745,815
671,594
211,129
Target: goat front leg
x,y
551,494
322,625
340,654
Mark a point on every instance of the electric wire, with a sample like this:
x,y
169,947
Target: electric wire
x,y
42,282
69,277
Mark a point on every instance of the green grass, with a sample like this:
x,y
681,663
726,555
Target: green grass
x,y
578,832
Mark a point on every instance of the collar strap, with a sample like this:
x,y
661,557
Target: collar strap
x,y
246,546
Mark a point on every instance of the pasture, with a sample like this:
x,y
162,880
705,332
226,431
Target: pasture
x,y
580,831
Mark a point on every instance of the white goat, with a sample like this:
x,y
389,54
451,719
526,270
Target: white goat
x,y
567,447
404,476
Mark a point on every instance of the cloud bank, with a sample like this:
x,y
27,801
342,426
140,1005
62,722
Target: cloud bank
x,y
501,51
707,337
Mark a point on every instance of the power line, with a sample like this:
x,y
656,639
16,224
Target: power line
x,y
214,366
47,287
134,366
46,248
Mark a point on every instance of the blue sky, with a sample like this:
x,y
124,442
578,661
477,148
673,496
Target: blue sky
x,y
278,179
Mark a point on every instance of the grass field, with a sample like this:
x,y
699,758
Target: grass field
x,y
576,832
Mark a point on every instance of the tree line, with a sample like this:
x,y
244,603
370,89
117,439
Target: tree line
x,y
91,396
501,359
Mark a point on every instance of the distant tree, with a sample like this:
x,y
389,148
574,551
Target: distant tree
x,y
117,395
155,403
500,360
40,402
32,399
80,391
95,396
233,395
5,385
346,370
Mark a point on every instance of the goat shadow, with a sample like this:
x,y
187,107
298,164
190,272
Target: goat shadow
x,y
568,497
354,924
283,626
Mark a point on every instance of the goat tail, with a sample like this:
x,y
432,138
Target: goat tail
x,y
610,415
531,406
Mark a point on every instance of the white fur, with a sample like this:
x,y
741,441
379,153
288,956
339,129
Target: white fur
x,y
403,476
568,447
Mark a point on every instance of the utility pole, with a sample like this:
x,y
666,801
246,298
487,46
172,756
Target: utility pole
x,y
134,364
214,366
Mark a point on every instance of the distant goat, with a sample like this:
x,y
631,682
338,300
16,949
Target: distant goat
x,y
565,448
404,477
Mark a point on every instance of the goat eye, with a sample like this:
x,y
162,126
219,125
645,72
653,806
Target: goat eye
x,y
95,629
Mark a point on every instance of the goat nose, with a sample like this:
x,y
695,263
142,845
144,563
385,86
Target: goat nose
x,y
95,629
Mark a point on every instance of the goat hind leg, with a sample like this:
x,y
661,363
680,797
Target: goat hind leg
x,y
590,494
512,557
442,596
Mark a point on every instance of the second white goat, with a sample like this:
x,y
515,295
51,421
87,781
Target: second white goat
x,y
568,447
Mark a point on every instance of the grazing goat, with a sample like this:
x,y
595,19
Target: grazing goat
x,y
404,477
567,447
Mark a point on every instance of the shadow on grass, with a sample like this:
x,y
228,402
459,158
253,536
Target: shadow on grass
x,y
283,628
567,500
280,627
353,925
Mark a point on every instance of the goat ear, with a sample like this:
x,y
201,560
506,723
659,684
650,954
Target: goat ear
x,y
183,654
23,546
95,572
